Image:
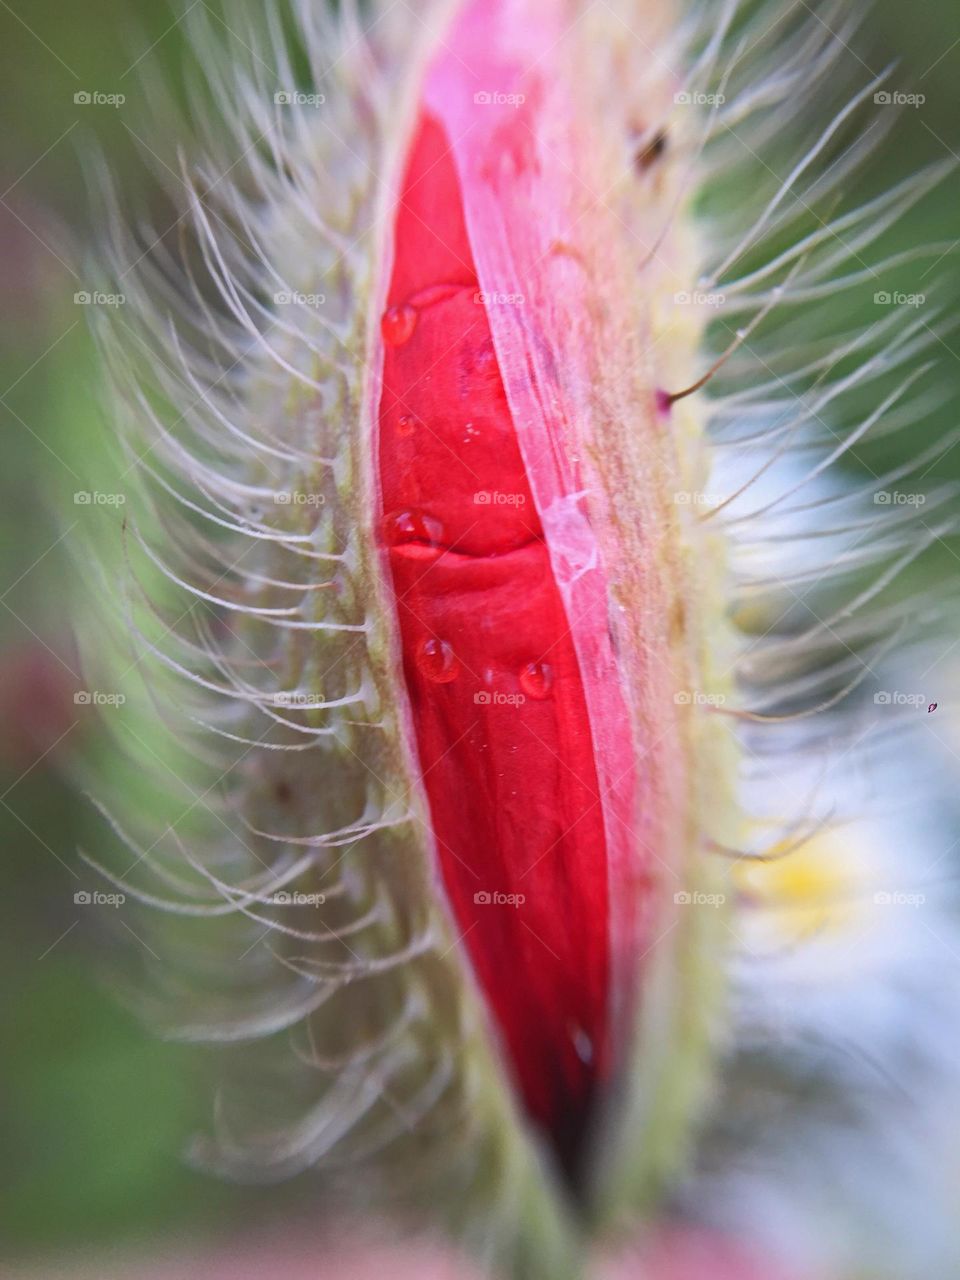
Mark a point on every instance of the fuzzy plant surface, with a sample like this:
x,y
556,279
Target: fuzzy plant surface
x,y
496,633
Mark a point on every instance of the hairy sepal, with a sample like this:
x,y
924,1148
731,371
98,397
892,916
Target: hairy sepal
x,y
353,1039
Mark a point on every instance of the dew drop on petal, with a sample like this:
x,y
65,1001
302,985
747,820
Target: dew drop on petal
x,y
437,661
582,1043
411,525
536,680
398,324
406,424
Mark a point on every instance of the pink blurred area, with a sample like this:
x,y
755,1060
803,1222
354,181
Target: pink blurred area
x,y
37,708
673,1255
686,1254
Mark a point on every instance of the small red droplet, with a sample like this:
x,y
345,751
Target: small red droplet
x,y
406,424
411,525
536,680
398,324
437,661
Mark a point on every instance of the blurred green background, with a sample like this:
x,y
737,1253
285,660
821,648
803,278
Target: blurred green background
x,y
94,1114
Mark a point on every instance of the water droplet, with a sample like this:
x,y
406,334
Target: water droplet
x,y
406,424
536,680
582,1043
437,661
411,525
398,324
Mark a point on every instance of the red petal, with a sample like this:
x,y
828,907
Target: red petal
x,y
502,730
